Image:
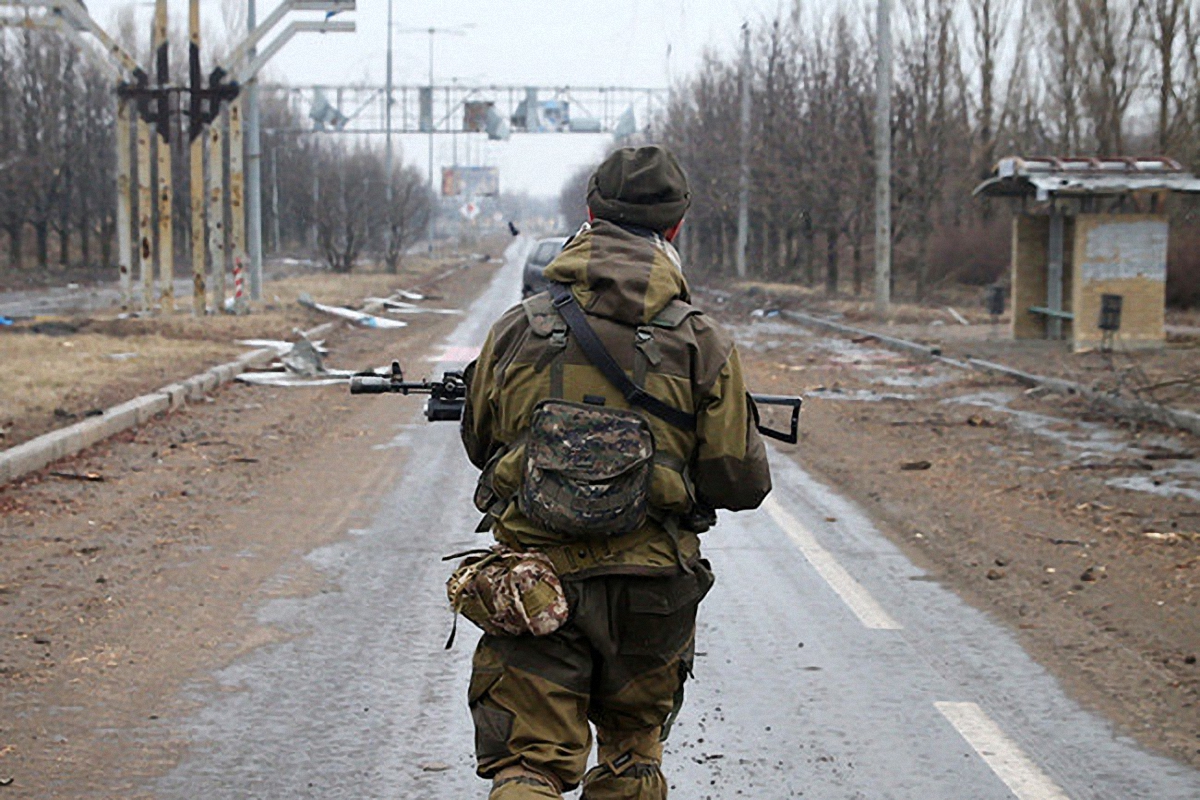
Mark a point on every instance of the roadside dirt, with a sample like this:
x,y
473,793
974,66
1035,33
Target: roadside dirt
x,y
1079,532
117,596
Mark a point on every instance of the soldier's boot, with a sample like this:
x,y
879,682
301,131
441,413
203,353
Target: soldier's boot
x,y
628,768
518,782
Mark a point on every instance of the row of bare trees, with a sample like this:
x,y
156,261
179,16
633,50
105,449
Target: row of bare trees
x,y
57,152
974,80
58,171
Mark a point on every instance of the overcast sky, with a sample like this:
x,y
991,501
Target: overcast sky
x,y
546,42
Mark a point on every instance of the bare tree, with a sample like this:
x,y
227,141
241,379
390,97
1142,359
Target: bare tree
x,y
408,214
1116,64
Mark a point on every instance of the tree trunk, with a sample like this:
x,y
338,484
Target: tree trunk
x,y
922,265
85,237
856,266
810,253
831,262
14,248
42,231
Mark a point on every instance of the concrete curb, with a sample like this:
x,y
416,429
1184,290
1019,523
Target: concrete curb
x,y
923,352
50,447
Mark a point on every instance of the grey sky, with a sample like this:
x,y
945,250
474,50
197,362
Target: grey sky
x,y
580,42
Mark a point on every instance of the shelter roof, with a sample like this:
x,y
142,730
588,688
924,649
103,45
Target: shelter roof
x,y
1080,177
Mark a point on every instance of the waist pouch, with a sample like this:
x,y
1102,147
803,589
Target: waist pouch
x,y
587,470
508,593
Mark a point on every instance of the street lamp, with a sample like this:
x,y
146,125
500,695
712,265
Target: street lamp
x,y
454,30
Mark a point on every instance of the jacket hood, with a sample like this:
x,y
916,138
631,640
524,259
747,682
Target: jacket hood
x,y
618,274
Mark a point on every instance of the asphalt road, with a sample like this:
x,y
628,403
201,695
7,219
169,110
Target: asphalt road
x,y
828,666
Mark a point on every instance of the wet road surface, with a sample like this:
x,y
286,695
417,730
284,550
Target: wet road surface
x,y
828,666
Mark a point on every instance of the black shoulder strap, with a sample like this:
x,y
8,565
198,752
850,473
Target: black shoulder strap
x,y
597,353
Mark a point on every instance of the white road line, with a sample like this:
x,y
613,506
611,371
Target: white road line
x,y
1023,777
865,607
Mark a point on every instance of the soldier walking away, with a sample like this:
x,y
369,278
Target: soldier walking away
x,y
609,419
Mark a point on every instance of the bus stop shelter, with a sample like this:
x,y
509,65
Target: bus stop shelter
x,y
1089,247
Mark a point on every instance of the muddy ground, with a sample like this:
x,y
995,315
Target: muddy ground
x,y
117,597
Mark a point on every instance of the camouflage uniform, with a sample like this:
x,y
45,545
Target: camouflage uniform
x,y
622,658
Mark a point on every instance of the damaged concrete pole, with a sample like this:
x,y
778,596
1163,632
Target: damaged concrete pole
x,y
196,178
743,217
166,226
883,160
237,206
145,247
216,209
124,202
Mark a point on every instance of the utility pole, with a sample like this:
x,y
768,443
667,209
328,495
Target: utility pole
x,y
743,222
253,170
237,203
124,201
216,208
883,161
457,30
432,123
387,155
196,144
166,222
275,198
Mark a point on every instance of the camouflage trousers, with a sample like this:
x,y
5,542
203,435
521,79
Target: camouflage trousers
x,y
620,662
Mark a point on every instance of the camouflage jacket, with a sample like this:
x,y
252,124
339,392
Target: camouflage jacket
x,y
636,298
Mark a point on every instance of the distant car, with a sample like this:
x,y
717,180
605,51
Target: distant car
x,y
540,255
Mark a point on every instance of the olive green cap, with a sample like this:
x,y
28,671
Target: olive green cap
x,y
642,186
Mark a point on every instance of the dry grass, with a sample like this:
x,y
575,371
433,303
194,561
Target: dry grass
x,y
44,373
77,373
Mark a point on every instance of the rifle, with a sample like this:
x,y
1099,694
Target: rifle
x,y
447,397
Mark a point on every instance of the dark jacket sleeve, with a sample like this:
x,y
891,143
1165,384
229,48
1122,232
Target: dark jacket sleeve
x,y
731,469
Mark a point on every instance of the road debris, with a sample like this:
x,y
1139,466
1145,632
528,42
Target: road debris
x,y
915,466
959,318
404,307
93,477
300,364
357,317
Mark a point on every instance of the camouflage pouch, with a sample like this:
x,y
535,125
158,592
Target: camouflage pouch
x,y
587,470
508,593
